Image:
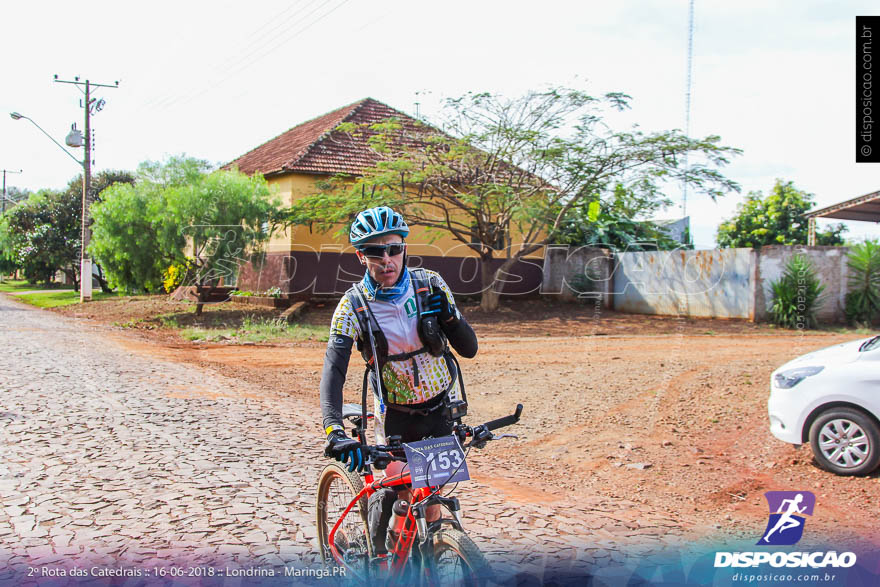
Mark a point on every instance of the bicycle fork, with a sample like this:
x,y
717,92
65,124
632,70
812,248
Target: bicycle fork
x,y
418,533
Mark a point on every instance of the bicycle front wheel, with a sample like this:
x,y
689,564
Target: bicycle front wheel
x,y
337,487
458,561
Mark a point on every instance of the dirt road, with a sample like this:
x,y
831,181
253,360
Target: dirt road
x,y
123,452
665,412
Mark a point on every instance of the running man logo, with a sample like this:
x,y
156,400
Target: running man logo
x,y
787,516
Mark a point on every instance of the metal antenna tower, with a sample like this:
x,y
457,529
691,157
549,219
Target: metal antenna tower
x,y
687,100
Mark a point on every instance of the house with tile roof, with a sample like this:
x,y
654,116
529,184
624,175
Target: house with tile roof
x,y
305,262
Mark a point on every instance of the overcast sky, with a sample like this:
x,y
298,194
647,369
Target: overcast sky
x,y
216,79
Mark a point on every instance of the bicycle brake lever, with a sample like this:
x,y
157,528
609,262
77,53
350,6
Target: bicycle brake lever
x,y
498,436
380,461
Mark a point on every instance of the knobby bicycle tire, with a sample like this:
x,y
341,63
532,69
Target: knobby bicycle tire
x,y
475,569
354,534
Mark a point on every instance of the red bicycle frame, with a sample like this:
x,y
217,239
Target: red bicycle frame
x,y
400,552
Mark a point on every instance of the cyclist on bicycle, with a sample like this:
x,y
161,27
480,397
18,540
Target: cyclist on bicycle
x,y
393,314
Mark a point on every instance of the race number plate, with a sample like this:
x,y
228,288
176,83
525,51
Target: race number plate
x,y
436,461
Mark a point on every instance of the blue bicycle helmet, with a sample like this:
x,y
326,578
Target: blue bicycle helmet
x,y
376,222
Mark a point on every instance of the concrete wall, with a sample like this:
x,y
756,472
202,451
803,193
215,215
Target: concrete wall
x,y
574,273
330,273
716,283
830,262
725,283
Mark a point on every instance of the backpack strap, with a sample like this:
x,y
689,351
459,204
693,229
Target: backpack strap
x,y
422,287
374,346
430,333
363,316
372,343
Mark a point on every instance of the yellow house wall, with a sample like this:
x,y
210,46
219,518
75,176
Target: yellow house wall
x,y
280,188
300,238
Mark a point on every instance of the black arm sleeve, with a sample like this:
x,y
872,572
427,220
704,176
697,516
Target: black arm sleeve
x,y
333,378
462,338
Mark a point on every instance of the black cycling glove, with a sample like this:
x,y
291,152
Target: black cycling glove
x,y
345,450
439,305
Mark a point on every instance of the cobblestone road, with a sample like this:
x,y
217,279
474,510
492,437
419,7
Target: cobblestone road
x,y
113,459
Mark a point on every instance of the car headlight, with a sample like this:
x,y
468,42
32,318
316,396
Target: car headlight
x,y
791,377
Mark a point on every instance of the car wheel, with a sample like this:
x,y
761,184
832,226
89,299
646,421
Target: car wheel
x,y
845,441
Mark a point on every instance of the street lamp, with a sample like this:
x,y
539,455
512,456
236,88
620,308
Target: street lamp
x,y
17,116
85,271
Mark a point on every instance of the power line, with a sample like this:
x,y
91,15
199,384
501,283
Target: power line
x,y
258,50
251,40
271,49
275,20
269,37
262,42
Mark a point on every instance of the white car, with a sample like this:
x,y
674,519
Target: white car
x,y
831,398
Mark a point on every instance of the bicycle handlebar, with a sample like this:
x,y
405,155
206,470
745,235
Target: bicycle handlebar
x,y
480,434
382,455
506,420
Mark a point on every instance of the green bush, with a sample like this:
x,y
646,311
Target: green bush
x,y
863,299
176,273
797,295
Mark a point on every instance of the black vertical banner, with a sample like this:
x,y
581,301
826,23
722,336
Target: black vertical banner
x,y
867,107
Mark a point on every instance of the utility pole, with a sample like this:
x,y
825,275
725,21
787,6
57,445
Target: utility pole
x,y
5,171
85,273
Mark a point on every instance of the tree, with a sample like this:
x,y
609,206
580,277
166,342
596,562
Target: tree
x,y
8,260
73,197
862,302
41,238
45,231
123,237
612,223
177,214
777,219
14,195
505,174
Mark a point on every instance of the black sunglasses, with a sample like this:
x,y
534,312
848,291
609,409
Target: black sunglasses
x,y
379,251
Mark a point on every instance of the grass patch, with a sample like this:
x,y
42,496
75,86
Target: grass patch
x,y
252,329
169,321
55,299
135,323
860,331
13,285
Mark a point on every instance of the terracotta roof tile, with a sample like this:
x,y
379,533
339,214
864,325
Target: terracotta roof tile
x,y
314,146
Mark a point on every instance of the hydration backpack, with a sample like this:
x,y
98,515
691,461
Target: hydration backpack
x,y
373,345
